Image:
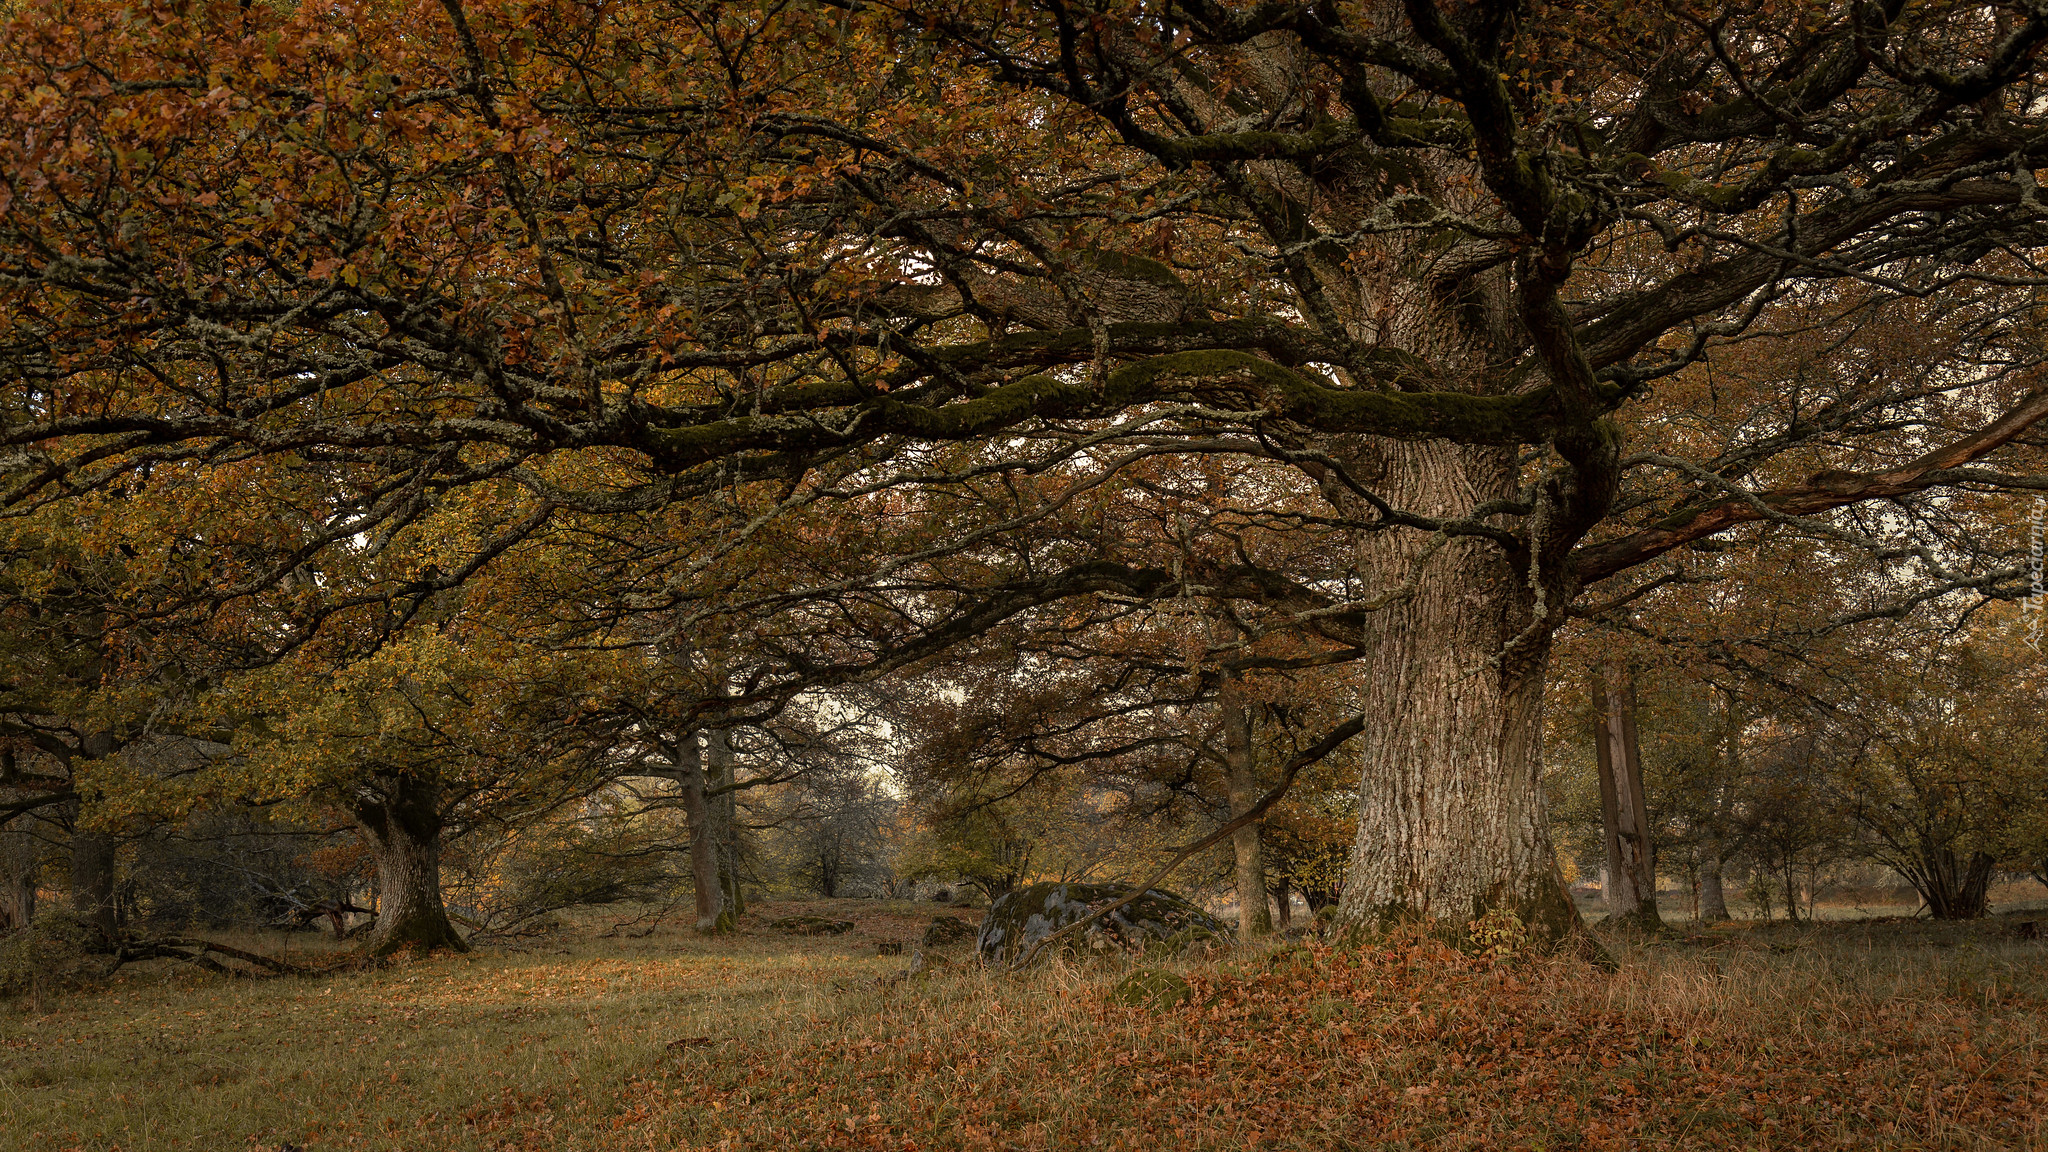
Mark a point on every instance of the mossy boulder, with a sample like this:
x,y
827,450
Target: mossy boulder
x,y
811,925
58,952
1156,921
944,930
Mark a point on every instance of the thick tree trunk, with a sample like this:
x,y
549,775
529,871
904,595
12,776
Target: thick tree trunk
x,y
18,874
93,855
1632,895
18,902
1254,919
92,881
402,813
1452,821
1713,895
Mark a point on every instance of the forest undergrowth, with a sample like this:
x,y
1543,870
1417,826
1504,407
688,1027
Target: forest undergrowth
x,y
1881,1035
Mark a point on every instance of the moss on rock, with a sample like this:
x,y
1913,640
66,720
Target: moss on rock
x,y
58,952
1153,989
944,930
1156,920
811,925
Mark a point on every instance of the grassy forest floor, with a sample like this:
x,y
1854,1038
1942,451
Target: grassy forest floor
x,y
1839,1035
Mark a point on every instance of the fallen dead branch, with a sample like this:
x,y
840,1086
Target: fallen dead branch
x,y
195,952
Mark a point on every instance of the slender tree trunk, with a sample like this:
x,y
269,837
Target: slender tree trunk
x,y
1977,886
402,813
1283,900
722,811
1240,765
1954,887
1713,896
1632,899
689,777
1713,883
1452,820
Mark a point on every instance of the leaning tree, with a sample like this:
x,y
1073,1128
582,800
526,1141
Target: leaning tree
x,y
854,295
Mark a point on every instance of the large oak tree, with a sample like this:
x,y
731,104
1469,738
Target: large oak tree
x,y
832,276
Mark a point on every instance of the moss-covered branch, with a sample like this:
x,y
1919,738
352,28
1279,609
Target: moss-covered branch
x,y
1213,375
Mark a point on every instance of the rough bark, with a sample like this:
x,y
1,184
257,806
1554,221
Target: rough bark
x,y
689,777
1254,919
18,863
1713,895
723,811
1452,819
402,813
93,855
18,874
1631,893
1715,851
92,881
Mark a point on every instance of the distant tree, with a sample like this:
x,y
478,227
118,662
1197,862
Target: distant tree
x,y
827,832
997,841
977,846
1943,762
443,729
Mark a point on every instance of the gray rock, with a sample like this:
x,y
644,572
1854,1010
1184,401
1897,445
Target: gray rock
x,y
1157,920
